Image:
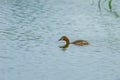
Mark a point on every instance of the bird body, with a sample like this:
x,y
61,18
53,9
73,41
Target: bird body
x,y
80,42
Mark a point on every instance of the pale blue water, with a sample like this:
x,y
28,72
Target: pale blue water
x,y
29,47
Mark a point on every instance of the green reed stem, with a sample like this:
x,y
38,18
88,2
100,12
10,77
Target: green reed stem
x,y
99,5
110,5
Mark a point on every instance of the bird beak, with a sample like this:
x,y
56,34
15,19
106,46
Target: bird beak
x,y
60,39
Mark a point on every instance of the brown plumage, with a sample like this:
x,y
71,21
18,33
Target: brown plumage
x,y
77,42
80,42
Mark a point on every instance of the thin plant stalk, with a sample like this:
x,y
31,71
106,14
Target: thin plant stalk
x,y
110,5
99,5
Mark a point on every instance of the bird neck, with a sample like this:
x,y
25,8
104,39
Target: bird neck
x,y
67,42
66,45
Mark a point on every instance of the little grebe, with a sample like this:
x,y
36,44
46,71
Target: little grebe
x,y
77,42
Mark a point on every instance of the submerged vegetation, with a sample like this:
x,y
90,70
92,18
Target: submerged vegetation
x,y
109,8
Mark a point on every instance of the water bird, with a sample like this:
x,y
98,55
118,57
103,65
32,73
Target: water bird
x,y
77,42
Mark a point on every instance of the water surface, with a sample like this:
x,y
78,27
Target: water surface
x,y
29,47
